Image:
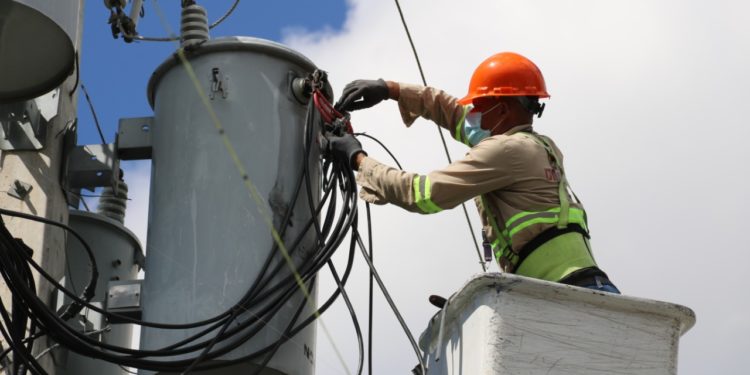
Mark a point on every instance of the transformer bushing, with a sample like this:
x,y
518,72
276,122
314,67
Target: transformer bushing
x,y
207,238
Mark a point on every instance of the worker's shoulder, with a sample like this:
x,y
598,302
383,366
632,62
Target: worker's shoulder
x,y
516,142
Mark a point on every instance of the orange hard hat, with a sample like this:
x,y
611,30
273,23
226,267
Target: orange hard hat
x,y
506,74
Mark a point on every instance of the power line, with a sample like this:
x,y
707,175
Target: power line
x,y
226,15
442,137
93,113
174,38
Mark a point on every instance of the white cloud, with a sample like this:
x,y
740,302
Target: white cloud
x,y
138,177
647,105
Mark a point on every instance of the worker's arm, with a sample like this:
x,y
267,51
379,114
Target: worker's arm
x,y
413,101
433,104
486,167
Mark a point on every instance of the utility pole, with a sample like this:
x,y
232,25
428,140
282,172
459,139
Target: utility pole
x,y
34,131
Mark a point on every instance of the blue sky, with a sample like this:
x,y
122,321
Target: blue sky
x,y
116,74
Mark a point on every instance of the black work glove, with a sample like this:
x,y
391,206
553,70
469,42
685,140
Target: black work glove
x,y
345,147
362,93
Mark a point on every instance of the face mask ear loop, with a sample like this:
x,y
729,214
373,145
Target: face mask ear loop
x,y
491,109
492,131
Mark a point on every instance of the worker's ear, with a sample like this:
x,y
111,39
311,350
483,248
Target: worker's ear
x,y
502,111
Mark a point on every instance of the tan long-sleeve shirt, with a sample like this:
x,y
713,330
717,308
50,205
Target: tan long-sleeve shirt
x,y
513,171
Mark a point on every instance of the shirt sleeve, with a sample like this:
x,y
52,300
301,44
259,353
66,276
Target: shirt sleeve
x,y
486,167
433,104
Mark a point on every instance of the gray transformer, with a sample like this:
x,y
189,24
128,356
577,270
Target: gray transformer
x,y
207,239
37,46
118,256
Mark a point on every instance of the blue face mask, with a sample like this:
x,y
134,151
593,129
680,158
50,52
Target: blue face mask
x,y
473,129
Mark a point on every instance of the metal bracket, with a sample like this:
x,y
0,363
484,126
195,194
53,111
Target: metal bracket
x,y
219,84
22,126
20,190
92,166
124,298
134,138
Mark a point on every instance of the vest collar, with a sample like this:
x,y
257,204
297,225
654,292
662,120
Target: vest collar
x,y
518,129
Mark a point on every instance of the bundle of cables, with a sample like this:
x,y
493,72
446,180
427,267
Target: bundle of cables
x,y
275,285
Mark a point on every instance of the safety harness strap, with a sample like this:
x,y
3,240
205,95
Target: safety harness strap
x,y
562,190
572,255
501,244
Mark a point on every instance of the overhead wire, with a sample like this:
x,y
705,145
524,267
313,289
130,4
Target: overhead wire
x,y
442,137
93,114
372,256
370,304
225,16
392,304
173,38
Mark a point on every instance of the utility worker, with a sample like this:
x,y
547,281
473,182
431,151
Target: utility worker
x,y
536,227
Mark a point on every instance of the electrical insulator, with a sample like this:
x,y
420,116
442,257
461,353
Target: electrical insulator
x,y
113,202
194,25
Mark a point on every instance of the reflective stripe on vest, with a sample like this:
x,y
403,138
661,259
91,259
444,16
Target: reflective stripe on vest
x,y
523,220
502,244
423,195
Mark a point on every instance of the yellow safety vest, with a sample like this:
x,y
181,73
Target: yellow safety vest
x,y
557,257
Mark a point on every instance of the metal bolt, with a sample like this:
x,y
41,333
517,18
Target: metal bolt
x,y
20,189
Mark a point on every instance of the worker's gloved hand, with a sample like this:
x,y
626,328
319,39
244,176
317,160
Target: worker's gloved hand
x,y
361,94
345,147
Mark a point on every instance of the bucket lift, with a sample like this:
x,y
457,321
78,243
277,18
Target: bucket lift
x,y
509,324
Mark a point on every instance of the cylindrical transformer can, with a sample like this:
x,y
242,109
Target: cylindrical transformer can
x,y
37,45
208,233
118,257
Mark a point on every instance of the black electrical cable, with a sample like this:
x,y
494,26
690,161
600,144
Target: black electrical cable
x,y
442,137
388,298
372,256
78,76
7,351
22,353
371,289
355,321
262,301
93,114
383,146
267,358
225,16
90,290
